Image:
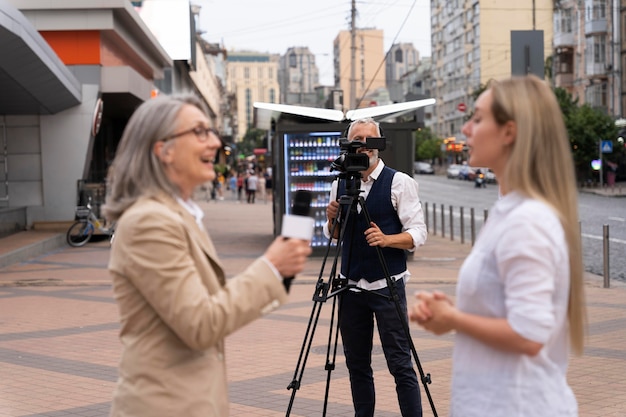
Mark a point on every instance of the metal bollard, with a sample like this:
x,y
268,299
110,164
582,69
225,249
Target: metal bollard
x,y
426,215
472,225
443,222
451,225
434,219
462,226
485,215
605,252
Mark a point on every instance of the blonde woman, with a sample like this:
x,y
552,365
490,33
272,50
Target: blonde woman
x,y
519,298
176,305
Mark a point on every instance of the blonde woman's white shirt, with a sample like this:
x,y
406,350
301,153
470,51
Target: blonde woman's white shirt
x,y
518,270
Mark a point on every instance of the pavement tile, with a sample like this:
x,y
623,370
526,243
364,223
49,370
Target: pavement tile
x,y
59,346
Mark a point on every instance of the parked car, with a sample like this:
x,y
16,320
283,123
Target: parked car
x,y
423,168
453,171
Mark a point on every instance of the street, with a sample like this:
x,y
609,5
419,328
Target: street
x,y
594,211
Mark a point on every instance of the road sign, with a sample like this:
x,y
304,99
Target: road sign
x,y
461,107
607,146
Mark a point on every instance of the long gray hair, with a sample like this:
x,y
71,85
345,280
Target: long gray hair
x,y
136,171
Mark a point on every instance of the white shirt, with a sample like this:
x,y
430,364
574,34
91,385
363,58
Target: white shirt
x,y
518,270
406,202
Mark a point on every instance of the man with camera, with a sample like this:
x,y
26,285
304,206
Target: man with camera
x,y
397,224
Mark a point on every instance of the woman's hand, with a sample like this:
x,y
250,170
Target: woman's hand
x,y
288,255
434,312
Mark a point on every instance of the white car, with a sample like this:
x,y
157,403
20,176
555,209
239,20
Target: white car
x,y
453,171
423,168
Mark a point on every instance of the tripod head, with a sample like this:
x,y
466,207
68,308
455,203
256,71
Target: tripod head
x,y
352,180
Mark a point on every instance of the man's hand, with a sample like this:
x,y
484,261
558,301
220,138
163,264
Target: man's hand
x,y
375,237
332,211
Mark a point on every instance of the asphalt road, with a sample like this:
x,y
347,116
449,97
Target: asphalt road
x,y
595,212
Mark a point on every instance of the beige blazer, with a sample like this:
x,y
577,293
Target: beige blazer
x,y
176,308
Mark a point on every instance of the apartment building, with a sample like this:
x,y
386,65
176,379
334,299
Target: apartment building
x,y
298,76
588,51
368,56
471,44
251,77
402,60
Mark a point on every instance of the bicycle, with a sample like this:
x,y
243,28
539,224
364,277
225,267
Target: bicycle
x,y
81,231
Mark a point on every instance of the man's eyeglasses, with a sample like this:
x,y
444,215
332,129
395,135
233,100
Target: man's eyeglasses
x,y
201,133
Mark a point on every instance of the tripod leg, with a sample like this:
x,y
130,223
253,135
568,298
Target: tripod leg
x,y
425,378
294,385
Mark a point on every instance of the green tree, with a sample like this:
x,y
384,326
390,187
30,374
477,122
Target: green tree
x,y
252,139
586,127
427,145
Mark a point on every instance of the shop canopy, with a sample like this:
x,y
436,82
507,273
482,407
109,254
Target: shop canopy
x,y
264,113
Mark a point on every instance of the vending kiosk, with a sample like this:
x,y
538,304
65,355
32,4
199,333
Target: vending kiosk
x,y
303,149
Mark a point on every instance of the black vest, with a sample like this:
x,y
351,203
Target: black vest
x,y
362,259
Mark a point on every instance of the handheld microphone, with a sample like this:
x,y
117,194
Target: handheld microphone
x,y
299,224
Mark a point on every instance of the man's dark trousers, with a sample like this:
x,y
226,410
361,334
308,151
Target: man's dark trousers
x,y
357,310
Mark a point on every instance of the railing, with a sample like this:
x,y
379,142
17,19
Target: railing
x,y
431,213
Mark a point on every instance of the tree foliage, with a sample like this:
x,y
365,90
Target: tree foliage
x,y
427,145
586,127
252,139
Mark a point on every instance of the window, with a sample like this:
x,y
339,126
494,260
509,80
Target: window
x,y
246,73
599,49
293,61
248,107
596,10
566,21
398,55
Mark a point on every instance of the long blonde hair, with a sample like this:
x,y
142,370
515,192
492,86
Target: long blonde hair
x,y
136,171
541,166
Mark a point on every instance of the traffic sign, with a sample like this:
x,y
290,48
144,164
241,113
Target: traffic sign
x,y
607,146
461,107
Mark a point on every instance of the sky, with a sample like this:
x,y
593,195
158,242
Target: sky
x,y
275,25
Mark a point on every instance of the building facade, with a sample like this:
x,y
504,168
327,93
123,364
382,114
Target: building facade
x,y
402,59
298,76
471,44
251,77
368,55
588,52
76,72
79,69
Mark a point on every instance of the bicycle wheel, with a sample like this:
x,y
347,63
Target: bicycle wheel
x,y
79,234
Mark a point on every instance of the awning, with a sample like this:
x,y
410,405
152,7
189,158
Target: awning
x,y
33,79
265,112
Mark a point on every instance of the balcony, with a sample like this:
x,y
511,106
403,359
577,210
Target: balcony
x,y
563,39
595,26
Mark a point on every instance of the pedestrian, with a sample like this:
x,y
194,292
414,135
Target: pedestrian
x,y
252,185
261,187
240,184
176,306
232,184
397,226
520,293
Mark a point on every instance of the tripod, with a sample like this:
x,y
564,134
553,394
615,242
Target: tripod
x,y
324,290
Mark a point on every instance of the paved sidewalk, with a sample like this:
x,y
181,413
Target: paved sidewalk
x,y
59,346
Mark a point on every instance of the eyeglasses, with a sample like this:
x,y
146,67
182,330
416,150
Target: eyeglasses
x,y
201,133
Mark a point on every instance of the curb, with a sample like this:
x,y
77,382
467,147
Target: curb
x,y
33,250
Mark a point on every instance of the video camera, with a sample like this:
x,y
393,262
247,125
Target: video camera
x,y
350,160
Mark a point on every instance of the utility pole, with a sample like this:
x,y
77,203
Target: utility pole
x,y
353,56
